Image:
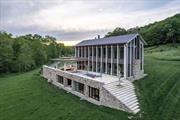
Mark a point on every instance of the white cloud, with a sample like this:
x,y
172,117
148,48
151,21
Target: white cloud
x,y
78,16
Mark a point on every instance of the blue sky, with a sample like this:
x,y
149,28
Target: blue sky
x,y
73,20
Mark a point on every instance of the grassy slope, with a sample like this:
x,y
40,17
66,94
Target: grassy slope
x,y
27,96
159,92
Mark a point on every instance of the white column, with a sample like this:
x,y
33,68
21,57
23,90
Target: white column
x,y
117,59
82,52
112,55
78,51
75,52
88,57
96,58
85,48
130,57
125,61
92,58
101,59
106,59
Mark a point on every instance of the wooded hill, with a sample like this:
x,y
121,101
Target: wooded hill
x,y
162,32
24,53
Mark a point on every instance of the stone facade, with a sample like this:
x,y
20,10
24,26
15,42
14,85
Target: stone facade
x,y
106,99
138,73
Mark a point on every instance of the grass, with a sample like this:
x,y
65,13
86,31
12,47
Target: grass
x,y
167,52
28,97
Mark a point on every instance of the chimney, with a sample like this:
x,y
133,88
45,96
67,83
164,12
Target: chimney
x,y
98,36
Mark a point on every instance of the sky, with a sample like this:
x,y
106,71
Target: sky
x,y
71,21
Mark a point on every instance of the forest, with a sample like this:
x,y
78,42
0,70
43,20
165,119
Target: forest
x,y
24,53
158,33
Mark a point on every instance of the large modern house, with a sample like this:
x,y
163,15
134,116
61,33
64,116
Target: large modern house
x,y
102,71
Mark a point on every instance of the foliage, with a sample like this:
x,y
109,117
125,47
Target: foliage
x,y
24,53
165,31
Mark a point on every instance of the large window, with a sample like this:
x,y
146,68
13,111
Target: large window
x,y
94,93
79,87
121,52
60,79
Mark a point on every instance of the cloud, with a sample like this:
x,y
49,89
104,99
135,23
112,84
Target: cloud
x,y
77,20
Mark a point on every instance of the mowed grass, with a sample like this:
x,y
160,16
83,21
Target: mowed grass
x,y
29,97
159,92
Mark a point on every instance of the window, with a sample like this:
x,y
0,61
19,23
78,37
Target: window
x,y
99,52
109,52
86,52
104,52
60,79
94,48
121,52
115,51
69,82
94,93
90,51
79,87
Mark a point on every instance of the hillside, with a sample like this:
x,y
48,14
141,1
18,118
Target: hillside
x,y
28,96
162,32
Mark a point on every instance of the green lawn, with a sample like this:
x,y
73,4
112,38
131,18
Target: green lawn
x,y
28,97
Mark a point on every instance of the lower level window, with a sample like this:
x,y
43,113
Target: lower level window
x,y
94,93
79,87
60,79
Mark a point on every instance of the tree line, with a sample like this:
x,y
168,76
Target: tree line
x,y
165,31
24,53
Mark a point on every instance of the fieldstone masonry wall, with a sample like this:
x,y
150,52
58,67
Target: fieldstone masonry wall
x,y
138,73
106,99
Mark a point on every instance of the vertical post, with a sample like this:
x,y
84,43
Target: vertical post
x,y
106,58
101,59
117,59
92,58
75,52
130,61
143,58
112,55
96,58
85,48
88,57
82,52
78,51
125,61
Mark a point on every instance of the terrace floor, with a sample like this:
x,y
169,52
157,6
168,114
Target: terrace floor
x,y
103,78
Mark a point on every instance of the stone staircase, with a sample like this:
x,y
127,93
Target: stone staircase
x,y
125,93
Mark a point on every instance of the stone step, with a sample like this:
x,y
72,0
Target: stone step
x,y
132,105
130,101
128,98
133,102
136,111
134,108
119,90
122,93
127,94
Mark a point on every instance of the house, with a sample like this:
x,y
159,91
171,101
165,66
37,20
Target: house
x,y
103,72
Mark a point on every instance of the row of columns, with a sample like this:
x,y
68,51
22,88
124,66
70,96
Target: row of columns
x,y
79,49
